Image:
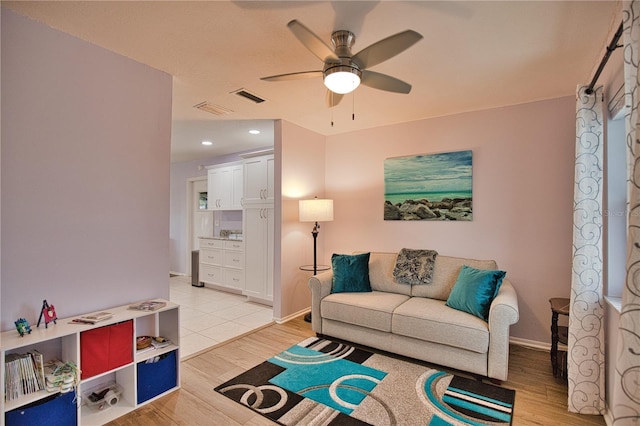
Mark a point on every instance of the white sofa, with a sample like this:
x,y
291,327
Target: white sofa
x,y
412,320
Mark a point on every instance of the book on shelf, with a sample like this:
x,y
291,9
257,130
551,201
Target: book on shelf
x,y
93,318
98,316
22,375
38,363
148,305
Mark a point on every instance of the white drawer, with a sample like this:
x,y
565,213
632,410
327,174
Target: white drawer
x,y
209,243
234,278
210,274
234,245
211,256
233,259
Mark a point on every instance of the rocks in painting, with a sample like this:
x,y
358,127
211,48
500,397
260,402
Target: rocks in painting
x,y
446,209
391,212
412,210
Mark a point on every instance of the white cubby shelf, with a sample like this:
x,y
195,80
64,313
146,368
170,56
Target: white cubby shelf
x,y
63,341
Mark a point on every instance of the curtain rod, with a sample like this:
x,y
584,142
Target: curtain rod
x,y
612,46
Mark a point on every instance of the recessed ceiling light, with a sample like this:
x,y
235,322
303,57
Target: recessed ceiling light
x,y
207,143
254,132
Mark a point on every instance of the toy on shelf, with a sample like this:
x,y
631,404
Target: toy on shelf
x,y
22,325
48,313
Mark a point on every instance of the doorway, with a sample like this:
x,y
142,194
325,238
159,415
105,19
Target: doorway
x,y
199,219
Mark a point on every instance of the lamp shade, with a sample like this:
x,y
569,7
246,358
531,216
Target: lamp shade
x,y
316,210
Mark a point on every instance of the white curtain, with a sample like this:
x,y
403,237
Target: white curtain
x,y
586,372
626,406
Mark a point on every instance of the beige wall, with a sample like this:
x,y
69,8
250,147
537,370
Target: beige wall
x,y
302,154
522,190
85,175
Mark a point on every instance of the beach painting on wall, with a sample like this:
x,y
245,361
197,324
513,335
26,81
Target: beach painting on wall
x,y
433,187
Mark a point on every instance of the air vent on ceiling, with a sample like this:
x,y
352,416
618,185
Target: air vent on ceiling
x,y
247,95
212,109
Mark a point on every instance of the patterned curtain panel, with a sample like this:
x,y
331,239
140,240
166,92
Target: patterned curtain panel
x,y
626,404
586,372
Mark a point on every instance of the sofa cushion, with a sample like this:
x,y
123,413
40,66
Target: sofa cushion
x,y
474,291
381,274
445,274
414,266
432,321
372,310
350,273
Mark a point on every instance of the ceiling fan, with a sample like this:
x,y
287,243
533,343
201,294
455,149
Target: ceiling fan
x,y
344,71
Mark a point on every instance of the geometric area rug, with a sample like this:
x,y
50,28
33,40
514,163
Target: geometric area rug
x,y
321,382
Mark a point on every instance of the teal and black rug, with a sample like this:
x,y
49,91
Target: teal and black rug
x,y
320,382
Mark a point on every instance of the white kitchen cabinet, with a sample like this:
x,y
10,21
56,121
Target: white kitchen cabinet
x,y
258,239
222,263
65,341
259,179
225,187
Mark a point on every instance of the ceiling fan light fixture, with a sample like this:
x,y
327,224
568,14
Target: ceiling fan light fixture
x,y
342,79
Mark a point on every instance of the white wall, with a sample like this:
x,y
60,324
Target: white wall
x,y
85,175
522,196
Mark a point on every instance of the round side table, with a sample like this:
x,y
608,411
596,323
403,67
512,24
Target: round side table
x,y
319,268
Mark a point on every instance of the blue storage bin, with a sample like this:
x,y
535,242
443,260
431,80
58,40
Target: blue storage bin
x,y
59,409
157,377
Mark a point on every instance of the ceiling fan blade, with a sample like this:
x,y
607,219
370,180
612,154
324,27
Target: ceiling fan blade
x,y
293,76
384,82
312,42
386,49
332,99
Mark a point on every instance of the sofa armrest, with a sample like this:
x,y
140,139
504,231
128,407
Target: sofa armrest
x,y
320,286
502,314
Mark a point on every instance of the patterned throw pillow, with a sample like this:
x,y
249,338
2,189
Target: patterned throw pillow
x,y
414,266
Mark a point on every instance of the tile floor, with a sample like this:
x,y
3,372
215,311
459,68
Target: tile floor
x,y
209,317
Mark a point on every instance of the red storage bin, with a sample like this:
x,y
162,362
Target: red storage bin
x,y
105,348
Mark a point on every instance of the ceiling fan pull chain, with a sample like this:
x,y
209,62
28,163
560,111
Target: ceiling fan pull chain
x,y
331,109
353,106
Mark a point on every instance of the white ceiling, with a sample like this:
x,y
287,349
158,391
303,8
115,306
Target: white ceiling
x,y
474,55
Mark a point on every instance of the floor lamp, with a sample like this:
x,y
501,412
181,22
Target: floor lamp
x,y
316,210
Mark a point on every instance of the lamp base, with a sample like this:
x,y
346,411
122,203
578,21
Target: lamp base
x,y
307,317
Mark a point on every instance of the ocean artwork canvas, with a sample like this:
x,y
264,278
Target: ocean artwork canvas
x,y
434,187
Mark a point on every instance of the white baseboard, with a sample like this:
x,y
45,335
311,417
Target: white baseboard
x,y
533,344
292,316
182,274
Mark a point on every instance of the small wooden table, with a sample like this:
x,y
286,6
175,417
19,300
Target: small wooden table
x,y
559,334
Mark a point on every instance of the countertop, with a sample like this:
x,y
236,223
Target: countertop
x,y
221,238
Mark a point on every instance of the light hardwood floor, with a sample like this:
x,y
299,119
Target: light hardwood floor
x,y
540,398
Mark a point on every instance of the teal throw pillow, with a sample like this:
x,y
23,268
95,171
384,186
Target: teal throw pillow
x,y
350,273
474,291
